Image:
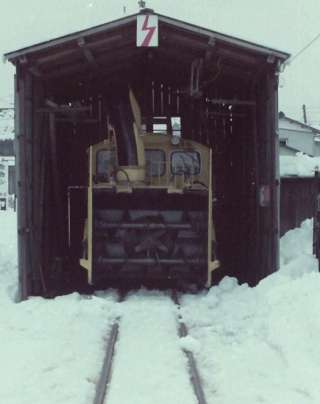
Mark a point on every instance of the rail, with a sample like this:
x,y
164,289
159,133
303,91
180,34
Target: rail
x,y
193,369
106,372
105,376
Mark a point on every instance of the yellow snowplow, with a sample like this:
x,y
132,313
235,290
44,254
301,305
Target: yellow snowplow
x,y
149,205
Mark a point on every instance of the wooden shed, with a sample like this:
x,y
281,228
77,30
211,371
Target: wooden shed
x,y
223,90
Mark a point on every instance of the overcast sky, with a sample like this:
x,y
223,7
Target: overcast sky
x,y
287,25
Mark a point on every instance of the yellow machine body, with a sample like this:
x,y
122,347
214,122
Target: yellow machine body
x,y
151,220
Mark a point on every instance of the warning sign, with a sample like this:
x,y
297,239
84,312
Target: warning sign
x,y
147,30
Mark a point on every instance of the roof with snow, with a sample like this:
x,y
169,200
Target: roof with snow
x,y
301,125
179,42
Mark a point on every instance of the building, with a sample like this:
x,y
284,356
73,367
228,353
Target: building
x,y
7,159
295,136
223,89
7,182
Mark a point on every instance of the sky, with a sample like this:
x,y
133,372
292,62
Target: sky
x,y
283,24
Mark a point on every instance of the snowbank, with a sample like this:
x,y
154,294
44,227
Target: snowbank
x,y
300,165
252,345
51,350
260,345
8,256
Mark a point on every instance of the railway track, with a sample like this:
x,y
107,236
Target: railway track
x,y
106,373
193,369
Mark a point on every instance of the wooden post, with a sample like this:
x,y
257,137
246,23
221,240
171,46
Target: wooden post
x,y
22,191
56,185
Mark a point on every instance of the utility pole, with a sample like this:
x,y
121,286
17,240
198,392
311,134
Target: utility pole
x,y
304,111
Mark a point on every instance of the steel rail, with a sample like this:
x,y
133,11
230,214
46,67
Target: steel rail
x,y
193,369
106,371
105,376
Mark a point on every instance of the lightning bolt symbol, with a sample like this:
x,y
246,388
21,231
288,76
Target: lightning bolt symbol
x,y
150,31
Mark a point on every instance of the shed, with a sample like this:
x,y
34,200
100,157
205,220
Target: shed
x,y
222,89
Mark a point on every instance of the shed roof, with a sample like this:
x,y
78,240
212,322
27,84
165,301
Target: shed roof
x,y
109,26
91,46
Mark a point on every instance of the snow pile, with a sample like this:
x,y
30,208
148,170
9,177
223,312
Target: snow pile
x,y
252,345
6,124
51,350
260,345
296,256
8,256
300,165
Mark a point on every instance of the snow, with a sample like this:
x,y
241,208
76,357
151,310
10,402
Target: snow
x,y
6,124
260,345
300,165
189,344
51,350
252,345
8,256
149,361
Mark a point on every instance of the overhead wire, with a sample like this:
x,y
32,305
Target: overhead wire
x,y
301,51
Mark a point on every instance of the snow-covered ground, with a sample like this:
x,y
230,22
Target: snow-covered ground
x,y
149,366
51,350
260,345
253,345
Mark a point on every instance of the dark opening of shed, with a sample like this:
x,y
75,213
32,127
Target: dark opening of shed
x,y
221,90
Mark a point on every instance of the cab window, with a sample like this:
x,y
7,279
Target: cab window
x,y
185,162
155,162
105,161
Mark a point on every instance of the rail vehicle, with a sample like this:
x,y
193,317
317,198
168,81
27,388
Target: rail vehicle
x,y
149,204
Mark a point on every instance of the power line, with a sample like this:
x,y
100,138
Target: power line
x,y
304,49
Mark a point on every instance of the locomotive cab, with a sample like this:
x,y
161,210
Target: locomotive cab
x,y
149,206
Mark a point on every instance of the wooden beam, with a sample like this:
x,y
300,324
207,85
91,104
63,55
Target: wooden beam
x,y
23,60
78,119
210,50
53,57
109,40
56,56
231,101
173,55
61,109
67,70
227,114
35,71
87,52
73,68
237,56
51,103
184,40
